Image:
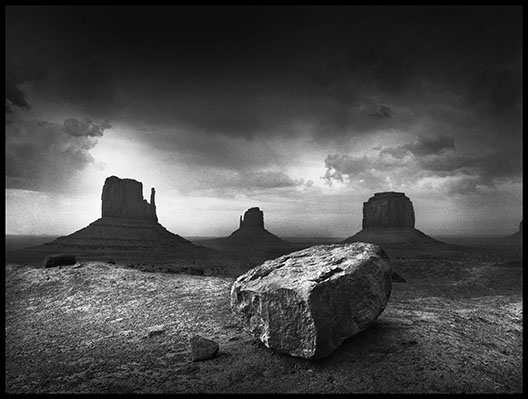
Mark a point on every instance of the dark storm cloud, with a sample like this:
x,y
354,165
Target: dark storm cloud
x,y
218,182
15,76
270,179
422,146
422,159
45,156
231,74
382,112
246,71
473,50
356,169
85,127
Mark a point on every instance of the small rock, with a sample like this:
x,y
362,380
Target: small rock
x,y
111,262
59,260
397,278
194,271
202,348
155,330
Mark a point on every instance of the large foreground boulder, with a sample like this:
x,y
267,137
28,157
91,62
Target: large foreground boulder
x,y
308,302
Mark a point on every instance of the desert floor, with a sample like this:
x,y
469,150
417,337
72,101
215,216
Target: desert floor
x,y
454,326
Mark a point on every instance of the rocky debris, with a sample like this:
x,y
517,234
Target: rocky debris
x,y
392,235
388,209
308,302
155,330
202,348
59,260
253,217
123,198
126,234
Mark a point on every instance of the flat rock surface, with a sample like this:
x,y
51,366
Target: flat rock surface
x,y
454,327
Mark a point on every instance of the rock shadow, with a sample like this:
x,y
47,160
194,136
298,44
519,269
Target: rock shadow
x,y
383,337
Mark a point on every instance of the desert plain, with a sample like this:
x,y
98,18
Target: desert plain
x,y
453,326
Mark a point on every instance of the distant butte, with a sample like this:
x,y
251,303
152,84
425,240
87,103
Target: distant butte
x,y
388,217
128,227
253,217
519,234
251,232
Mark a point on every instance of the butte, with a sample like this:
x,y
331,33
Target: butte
x,y
518,236
388,218
128,229
251,232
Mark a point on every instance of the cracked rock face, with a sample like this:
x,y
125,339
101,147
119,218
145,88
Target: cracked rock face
x,y
308,302
389,209
253,217
124,198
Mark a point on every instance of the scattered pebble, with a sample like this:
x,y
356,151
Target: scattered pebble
x,y
155,330
202,348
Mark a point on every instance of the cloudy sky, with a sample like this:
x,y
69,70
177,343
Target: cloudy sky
x,y
304,112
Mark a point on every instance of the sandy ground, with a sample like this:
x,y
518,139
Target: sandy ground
x,y
455,326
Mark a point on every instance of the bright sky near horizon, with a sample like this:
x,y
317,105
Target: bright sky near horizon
x,y
305,112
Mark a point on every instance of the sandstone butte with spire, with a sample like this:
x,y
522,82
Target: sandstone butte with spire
x,y
128,225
